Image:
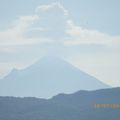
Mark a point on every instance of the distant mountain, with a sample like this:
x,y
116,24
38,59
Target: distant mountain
x,y
46,78
77,106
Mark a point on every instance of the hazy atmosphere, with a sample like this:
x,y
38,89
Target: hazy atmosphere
x,y
59,59
84,33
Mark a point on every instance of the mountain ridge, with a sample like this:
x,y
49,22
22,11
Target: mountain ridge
x,y
79,105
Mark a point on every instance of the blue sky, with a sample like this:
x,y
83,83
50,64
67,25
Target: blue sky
x,y
85,33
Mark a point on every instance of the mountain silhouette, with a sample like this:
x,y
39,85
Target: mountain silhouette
x,y
76,106
47,77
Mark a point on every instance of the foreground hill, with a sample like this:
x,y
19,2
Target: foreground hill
x,y
77,106
46,78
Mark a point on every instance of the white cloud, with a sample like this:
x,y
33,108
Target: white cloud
x,y
24,22
52,27
15,34
55,5
81,35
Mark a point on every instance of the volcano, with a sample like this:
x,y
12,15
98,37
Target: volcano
x,y
46,78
